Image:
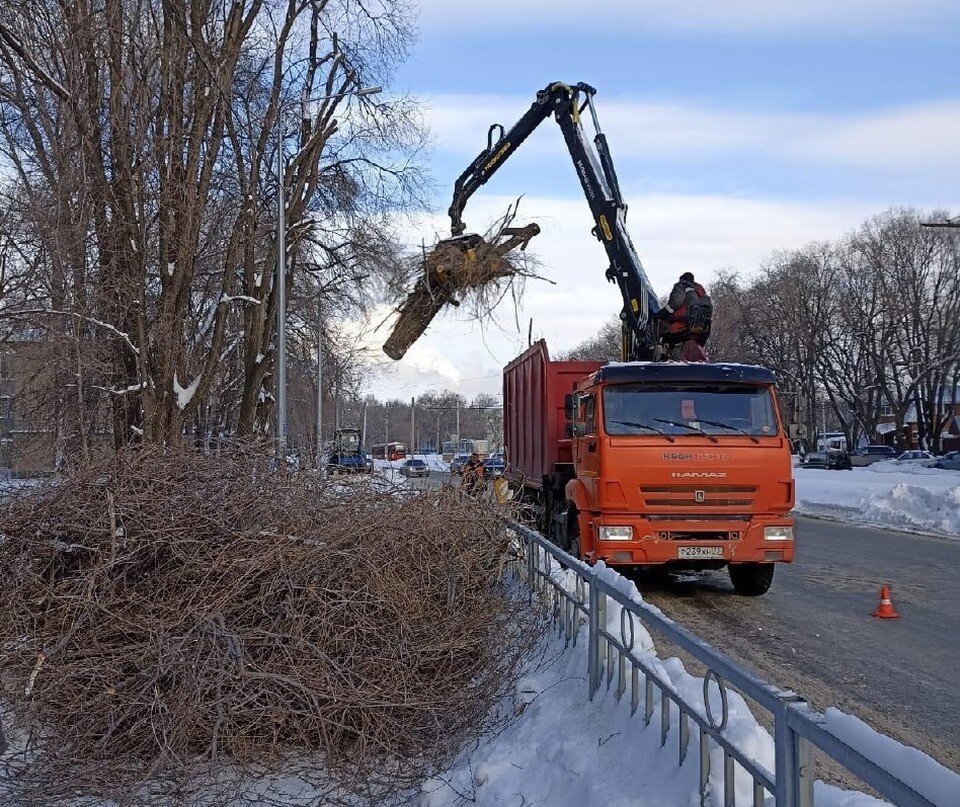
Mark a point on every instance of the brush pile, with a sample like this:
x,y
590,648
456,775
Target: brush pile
x,y
475,268
176,625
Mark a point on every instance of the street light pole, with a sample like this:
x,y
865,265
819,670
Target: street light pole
x,y
281,299
281,279
319,380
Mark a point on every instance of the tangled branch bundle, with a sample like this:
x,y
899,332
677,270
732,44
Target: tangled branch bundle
x,y
170,617
472,267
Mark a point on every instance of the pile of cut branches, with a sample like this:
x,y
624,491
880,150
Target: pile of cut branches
x,y
478,269
174,621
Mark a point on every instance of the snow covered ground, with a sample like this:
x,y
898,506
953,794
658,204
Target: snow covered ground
x,y
435,461
887,494
391,468
566,751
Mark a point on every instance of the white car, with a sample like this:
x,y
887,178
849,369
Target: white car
x,y
916,458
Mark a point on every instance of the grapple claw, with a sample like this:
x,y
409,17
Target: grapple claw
x,y
454,267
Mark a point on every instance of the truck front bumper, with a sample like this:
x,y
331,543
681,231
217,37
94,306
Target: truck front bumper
x,y
706,542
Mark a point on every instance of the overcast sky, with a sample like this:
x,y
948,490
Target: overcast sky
x,y
737,128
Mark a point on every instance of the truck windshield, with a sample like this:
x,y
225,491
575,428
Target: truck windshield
x,y
348,441
713,409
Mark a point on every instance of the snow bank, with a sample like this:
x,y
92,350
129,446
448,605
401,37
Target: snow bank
x,y
434,462
926,776
886,494
390,471
566,751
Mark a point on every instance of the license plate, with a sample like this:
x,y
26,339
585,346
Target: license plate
x,y
689,552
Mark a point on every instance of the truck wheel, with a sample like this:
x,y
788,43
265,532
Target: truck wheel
x,y
751,579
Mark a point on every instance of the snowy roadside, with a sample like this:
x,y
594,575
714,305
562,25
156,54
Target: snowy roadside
x,y
435,462
567,751
391,468
886,494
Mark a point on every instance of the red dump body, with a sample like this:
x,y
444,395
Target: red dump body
x,y
534,385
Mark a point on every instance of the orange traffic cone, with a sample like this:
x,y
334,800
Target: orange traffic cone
x,y
885,611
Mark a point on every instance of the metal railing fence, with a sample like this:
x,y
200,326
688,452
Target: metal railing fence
x,y
797,728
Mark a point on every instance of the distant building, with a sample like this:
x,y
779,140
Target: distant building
x,y
950,437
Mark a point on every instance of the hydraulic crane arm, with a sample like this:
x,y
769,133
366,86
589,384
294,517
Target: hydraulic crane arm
x,y
599,181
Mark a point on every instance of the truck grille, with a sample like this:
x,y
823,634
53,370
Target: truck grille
x,y
699,536
709,495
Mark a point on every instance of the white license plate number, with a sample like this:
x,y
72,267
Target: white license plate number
x,y
699,552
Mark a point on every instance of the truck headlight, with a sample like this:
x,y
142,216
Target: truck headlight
x,y
778,533
616,533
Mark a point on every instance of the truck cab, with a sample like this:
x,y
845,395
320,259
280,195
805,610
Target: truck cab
x,y
347,455
683,465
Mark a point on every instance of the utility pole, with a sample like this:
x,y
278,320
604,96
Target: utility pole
x,y
281,273
413,425
457,449
386,429
319,378
281,298
823,421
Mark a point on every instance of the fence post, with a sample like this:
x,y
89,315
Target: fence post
x,y
805,771
788,762
593,638
530,544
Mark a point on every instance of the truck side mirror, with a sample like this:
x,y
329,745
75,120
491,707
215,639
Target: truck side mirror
x,y
570,406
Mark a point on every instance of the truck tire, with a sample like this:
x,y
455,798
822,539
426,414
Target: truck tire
x,y
751,579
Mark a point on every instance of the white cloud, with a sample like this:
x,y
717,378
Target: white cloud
x,y
737,17
672,233
921,136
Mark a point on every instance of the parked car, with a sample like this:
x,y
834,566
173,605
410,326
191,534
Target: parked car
x,y
830,460
867,455
948,462
413,468
916,458
457,463
493,466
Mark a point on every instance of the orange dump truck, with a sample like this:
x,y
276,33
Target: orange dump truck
x,y
653,463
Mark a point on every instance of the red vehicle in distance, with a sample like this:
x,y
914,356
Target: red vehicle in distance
x,y
390,451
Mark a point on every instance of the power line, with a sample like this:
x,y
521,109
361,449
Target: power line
x,y
446,384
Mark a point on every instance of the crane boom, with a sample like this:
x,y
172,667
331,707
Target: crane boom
x,y
598,179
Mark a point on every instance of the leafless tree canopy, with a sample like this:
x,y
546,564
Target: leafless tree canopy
x,y
867,326
605,346
138,236
191,619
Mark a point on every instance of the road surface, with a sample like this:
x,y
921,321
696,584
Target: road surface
x,y
813,632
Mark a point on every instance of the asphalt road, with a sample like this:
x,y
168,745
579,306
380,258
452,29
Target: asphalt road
x,y
813,631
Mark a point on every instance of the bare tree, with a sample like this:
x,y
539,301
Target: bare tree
x,y
145,137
